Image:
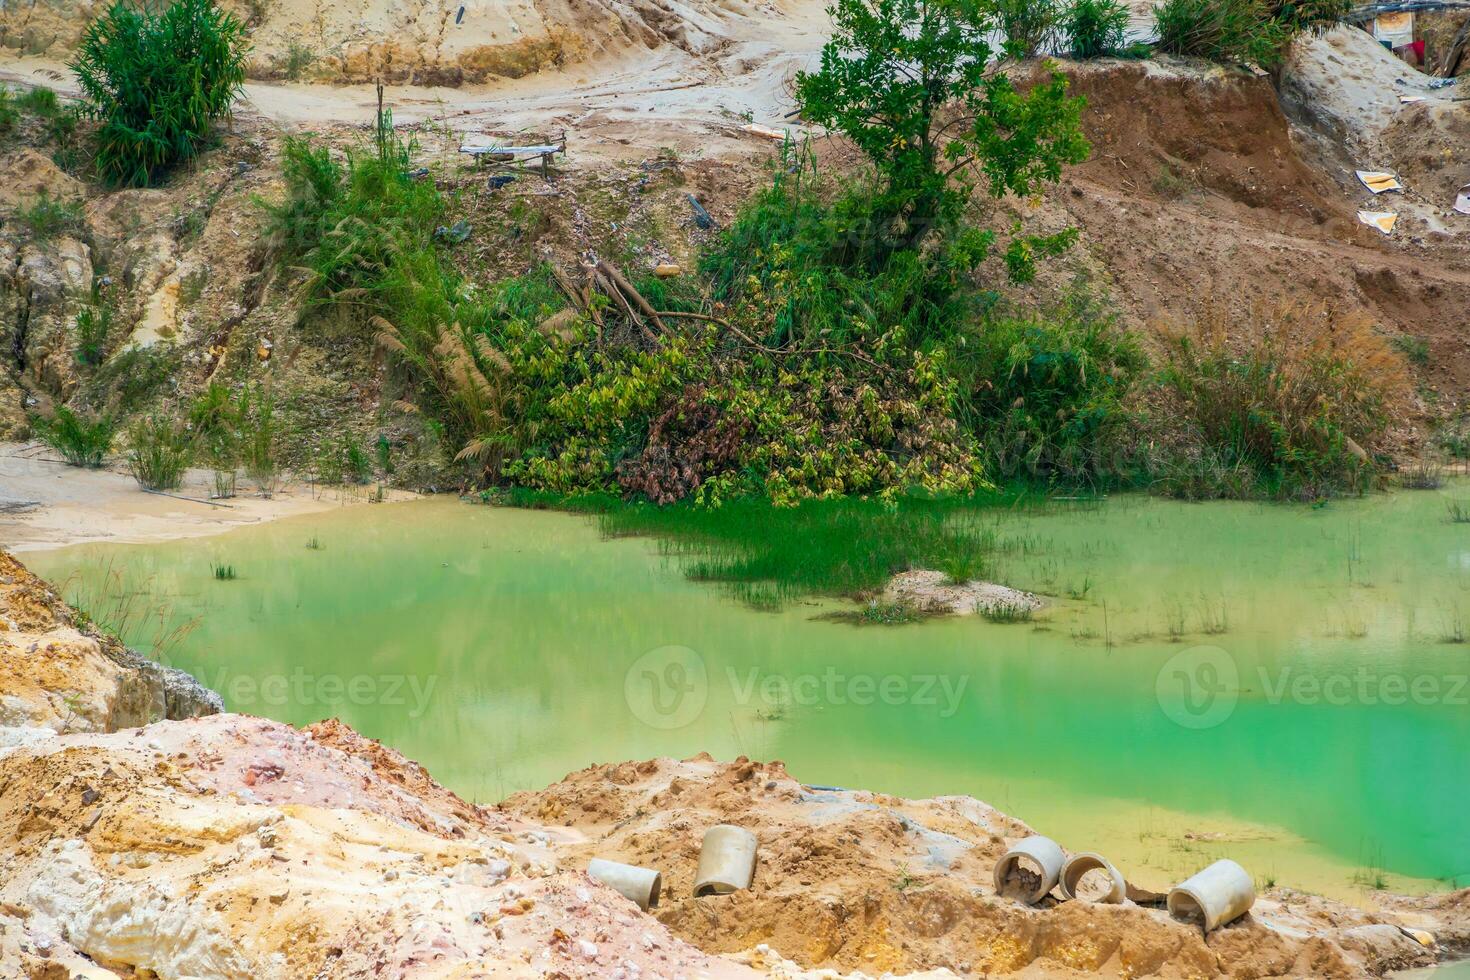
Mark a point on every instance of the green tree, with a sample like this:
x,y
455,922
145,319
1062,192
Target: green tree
x,y
916,86
157,78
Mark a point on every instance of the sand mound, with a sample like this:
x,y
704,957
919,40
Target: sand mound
x,y
416,41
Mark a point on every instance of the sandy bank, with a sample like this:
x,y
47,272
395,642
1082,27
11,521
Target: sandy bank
x,y
46,504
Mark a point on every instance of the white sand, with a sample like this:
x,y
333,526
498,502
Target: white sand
x,y
46,504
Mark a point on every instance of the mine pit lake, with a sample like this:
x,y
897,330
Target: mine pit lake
x,y
1280,684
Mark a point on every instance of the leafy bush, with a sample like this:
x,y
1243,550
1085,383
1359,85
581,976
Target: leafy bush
x,y
1239,31
1094,28
1048,393
1298,412
1029,26
829,367
160,450
299,57
156,79
79,441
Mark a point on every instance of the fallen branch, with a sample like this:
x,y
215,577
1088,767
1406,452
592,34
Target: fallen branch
x,y
779,352
609,287
193,500
626,287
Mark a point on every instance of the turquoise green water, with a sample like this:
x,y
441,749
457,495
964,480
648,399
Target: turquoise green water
x,y
1278,684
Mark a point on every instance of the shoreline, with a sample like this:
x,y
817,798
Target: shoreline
x,y
46,504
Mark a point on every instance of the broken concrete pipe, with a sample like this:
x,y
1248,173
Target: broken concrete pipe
x,y
1214,897
639,884
1041,853
726,861
1080,864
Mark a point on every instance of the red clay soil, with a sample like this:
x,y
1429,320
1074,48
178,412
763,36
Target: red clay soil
x,y
1201,201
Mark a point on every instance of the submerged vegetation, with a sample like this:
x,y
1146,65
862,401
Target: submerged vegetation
x,y
768,554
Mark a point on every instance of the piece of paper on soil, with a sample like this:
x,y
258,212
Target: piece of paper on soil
x,y
1378,181
1462,202
1382,220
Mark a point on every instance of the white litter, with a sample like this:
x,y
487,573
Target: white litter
x,y
1462,202
1382,220
1378,181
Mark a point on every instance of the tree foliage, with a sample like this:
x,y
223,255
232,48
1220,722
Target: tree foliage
x,y
914,84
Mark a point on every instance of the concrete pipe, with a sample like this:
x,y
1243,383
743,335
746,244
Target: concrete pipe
x,y
726,861
640,884
1218,895
1041,853
1079,864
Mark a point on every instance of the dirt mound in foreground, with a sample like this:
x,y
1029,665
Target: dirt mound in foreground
x,y
862,881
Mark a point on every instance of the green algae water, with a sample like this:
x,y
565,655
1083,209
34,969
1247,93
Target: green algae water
x,y
1283,685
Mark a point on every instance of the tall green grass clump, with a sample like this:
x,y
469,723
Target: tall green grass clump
x,y
94,323
362,228
1094,28
160,450
81,442
1238,31
1242,31
1309,15
157,78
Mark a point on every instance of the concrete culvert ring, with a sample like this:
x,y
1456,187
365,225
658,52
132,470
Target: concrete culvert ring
x,y
1186,908
1029,870
1090,877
